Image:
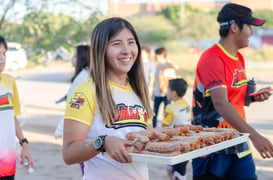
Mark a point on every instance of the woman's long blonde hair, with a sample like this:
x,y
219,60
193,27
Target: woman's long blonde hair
x,y
101,34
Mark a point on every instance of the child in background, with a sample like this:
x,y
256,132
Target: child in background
x,y
164,71
177,113
9,109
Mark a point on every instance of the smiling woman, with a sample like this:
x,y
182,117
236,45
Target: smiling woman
x,y
115,101
121,54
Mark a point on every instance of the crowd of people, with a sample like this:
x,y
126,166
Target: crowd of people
x,y
116,75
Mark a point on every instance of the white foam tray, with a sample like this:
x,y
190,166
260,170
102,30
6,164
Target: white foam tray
x,y
190,155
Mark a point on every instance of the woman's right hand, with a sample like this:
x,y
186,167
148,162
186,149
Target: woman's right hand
x,y
116,148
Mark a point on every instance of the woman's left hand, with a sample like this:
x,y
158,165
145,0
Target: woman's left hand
x,y
116,148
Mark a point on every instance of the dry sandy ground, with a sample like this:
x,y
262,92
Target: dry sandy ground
x,y
43,114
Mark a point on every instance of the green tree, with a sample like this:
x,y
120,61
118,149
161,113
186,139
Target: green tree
x,y
43,31
200,25
265,14
171,12
15,10
154,29
7,6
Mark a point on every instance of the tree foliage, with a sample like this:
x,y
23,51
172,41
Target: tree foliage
x,y
171,12
199,26
40,31
267,15
7,6
154,29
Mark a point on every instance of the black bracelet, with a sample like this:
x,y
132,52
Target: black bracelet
x,y
252,99
24,140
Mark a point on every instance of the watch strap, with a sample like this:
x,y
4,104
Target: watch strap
x,y
22,141
102,139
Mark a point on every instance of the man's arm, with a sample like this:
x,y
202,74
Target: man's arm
x,y
229,113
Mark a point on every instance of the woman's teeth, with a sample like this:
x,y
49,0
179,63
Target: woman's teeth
x,y
127,59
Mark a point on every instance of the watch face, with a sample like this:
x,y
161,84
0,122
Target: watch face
x,y
98,143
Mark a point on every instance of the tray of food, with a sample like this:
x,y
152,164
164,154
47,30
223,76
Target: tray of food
x,y
181,143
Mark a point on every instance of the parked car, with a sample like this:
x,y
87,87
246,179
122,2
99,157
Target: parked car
x,y
16,56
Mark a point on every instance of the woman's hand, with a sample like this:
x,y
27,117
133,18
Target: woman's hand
x,y
116,148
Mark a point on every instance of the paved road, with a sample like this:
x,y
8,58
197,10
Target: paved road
x,y
41,87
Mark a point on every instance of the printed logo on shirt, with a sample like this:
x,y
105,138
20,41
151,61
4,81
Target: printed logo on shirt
x,y
77,100
239,78
6,101
214,83
129,116
187,109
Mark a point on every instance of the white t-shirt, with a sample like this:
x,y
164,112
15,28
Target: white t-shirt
x,y
82,106
9,107
83,76
177,113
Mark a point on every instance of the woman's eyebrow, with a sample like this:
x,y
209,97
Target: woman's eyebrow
x,y
115,40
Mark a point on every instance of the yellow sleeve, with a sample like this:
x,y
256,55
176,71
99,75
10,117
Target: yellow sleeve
x,y
168,116
81,105
16,101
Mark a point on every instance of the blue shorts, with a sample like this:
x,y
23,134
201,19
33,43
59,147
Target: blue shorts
x,y
225,166
181,168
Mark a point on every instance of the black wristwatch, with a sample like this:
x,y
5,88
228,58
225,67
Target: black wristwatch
x,y
24,140
99,142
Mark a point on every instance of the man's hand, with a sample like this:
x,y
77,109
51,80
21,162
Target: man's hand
x,y
263,94
263,145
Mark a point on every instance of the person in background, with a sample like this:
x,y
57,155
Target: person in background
x,y
112,103
219,94
148,65
177,112
163,73
9,110
81,62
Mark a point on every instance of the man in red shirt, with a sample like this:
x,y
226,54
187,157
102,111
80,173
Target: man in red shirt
x,y
219,97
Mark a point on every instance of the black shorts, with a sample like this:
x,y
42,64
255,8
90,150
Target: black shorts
x,y
7,178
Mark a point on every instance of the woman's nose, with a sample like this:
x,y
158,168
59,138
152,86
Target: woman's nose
x,y
125,48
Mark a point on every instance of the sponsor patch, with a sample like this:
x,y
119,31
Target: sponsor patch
x,y
77,100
